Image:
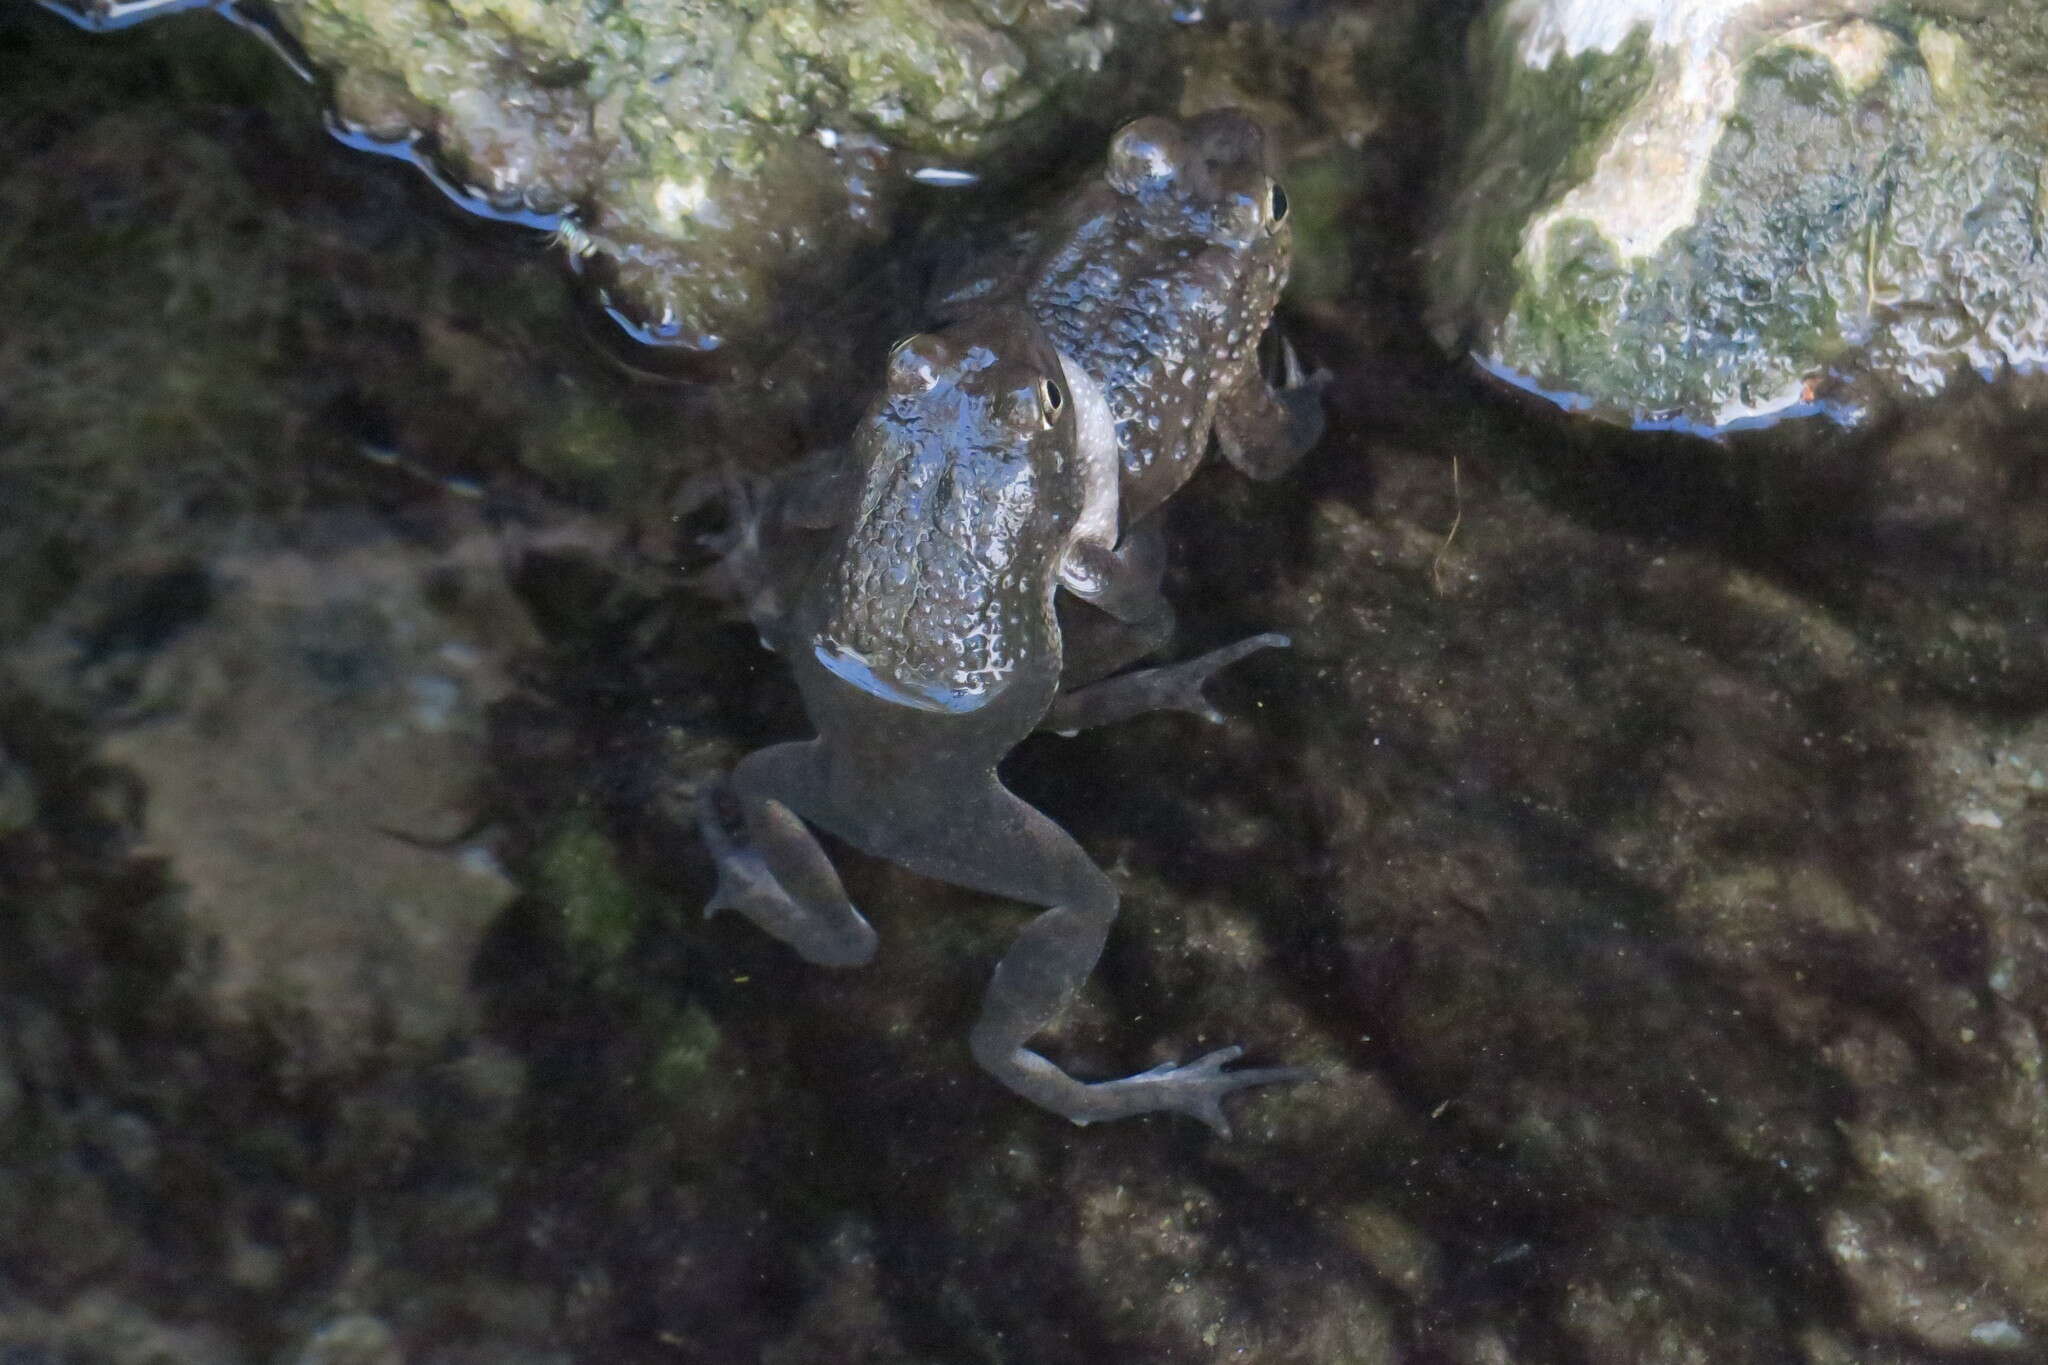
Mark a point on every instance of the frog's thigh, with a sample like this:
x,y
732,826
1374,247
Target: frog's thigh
x,y
782,880
994,842
990,841
986,839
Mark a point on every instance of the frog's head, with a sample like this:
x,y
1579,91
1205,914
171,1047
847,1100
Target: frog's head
x,y
989,390
971,492
1207,177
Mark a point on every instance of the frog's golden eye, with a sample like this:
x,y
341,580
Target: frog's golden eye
x,y
901,342
1051,398
1276,204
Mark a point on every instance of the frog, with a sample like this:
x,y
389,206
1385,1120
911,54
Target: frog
x,y
925,644
1159,276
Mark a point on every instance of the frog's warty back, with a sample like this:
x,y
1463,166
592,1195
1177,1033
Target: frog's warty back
x,y
929,605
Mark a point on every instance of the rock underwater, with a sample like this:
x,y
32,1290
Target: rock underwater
x,y
1644,841
1714,212
710,159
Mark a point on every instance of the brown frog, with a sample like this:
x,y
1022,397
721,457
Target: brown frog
x,y
1158,277
919,620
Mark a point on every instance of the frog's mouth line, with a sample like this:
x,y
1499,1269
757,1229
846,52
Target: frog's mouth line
x,y
855,668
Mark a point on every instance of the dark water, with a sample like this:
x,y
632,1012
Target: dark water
x,y
1641,842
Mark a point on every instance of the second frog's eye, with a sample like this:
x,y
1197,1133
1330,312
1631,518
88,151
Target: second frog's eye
x,y
1051,398
1276,204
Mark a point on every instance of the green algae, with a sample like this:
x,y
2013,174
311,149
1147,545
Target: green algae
x,y
1320,194
1542,133
578,873
1753,288
137,214
682,1068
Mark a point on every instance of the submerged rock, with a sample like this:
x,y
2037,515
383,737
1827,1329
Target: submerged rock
x,y
1643,844
307,728
1709,941
711,158
1712,213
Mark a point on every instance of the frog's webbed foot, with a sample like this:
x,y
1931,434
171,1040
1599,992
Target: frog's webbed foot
x,y
1194,1088
737,573
772,870
1264,429
1170,687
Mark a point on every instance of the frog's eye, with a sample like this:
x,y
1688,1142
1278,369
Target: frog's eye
x,y
901,342
1276,204
1051,398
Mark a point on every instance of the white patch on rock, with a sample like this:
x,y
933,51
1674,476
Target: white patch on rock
x,y
675,201
1942,52
1551,28
1860,51
1646,184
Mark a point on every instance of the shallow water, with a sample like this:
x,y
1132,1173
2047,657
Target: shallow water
x,y
1641,841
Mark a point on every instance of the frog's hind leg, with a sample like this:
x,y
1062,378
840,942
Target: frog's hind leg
x,y
770,867
997,843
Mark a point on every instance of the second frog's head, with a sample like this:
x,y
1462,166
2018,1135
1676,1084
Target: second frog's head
x,y
1209,177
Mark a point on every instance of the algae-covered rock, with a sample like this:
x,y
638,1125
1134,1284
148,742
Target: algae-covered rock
x,y
308,732
710,158
1645,854
1716,212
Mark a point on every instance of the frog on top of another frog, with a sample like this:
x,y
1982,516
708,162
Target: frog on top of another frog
x,y
918,616
1158,276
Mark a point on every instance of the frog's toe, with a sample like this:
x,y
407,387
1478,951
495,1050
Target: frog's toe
x,y
1294,379
1169,687
1301,399
1197,1088
1181,685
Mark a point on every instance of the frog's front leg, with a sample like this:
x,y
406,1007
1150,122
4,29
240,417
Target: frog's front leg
x,y
1131,617
1123,582
770,868
1264,431
993,842
1169,687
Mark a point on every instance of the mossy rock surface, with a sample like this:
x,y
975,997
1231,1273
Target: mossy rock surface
x,y
1709,215
717,162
